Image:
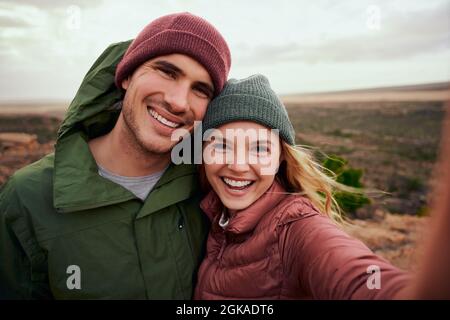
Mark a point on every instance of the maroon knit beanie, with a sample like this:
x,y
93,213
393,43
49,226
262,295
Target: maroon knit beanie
x,y
182,33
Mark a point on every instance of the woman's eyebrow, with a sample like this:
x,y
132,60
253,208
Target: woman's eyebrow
x,y
221,139
262,142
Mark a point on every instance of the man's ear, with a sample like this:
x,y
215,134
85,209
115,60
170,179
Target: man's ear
x,y
126,83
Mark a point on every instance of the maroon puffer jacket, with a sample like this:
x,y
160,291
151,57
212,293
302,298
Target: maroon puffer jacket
x,y
282,248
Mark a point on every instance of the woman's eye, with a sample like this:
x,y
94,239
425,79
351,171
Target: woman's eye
x,y
220,147
261,149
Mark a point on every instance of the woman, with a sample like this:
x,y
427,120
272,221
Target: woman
x,y
273,232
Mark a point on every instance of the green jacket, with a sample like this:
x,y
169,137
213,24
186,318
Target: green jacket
x,y
68,233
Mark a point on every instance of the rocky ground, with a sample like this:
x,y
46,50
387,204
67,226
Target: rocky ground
x,y
19,149
397,238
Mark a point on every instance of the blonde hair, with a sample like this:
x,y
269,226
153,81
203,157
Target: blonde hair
x,y
300,173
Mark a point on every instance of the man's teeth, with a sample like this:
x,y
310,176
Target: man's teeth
x,y
235,183
163,120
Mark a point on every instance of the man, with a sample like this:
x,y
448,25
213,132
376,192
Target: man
x,y
107,215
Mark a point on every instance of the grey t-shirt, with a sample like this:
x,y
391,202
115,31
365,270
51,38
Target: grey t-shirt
x,y
139,186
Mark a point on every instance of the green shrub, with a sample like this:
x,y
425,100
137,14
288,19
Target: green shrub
x,y
423,211
414,184
348,202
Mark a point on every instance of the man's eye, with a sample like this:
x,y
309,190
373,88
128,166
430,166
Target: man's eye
x,y
167,73
202,93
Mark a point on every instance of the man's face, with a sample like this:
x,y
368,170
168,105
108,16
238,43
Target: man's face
x,y
164,94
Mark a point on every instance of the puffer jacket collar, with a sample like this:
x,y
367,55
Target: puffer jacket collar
x,y
246,220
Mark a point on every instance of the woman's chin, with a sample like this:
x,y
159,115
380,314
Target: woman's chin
x,y
236,204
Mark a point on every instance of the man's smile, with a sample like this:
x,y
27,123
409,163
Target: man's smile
x,y
163,120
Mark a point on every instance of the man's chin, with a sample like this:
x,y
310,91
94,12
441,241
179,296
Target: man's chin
x,y
158,149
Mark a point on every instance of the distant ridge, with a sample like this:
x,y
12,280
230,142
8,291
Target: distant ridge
x,y
31,102
435,86
439,91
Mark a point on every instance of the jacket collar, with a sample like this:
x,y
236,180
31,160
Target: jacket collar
x,y
244,221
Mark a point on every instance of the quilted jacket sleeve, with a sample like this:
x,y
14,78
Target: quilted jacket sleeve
x,y
329,264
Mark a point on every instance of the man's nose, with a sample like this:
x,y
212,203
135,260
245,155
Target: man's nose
x,y
177,97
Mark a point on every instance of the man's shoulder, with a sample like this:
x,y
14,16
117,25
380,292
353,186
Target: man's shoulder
x,y
31,181
35,173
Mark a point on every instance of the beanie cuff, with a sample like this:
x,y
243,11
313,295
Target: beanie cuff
x,y
242,107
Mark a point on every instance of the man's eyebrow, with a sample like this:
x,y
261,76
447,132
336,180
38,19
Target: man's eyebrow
x,y
168,65
203,85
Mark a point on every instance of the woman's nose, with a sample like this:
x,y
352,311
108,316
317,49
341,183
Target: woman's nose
x,y
238,167
239,163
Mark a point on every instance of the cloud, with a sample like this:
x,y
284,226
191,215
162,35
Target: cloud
x,y
12,22
401,35
55,4
23,14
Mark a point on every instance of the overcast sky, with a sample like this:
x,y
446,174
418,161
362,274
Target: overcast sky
x,y
47,46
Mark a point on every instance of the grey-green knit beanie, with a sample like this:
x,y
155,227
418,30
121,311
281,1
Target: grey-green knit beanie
x,y
250,99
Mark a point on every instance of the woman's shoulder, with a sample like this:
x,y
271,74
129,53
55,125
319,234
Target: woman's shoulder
x,y
295,207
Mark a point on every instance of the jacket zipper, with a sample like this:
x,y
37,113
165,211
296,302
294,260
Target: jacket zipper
x,y
182,225
201,282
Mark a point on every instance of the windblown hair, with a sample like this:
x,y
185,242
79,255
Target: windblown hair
x,y
300,173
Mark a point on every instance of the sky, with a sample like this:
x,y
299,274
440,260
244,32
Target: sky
x,y
302,46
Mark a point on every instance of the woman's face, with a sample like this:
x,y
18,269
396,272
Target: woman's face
x,y
240,161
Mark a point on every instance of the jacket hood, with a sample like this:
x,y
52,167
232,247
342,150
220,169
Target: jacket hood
x,y
95,103
92,113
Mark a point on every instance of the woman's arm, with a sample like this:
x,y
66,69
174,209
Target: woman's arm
x,y
329,264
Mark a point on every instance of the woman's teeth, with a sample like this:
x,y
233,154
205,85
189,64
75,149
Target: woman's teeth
x,y
237,184
163,120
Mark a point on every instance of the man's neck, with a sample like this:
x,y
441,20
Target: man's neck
x,y
115,152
